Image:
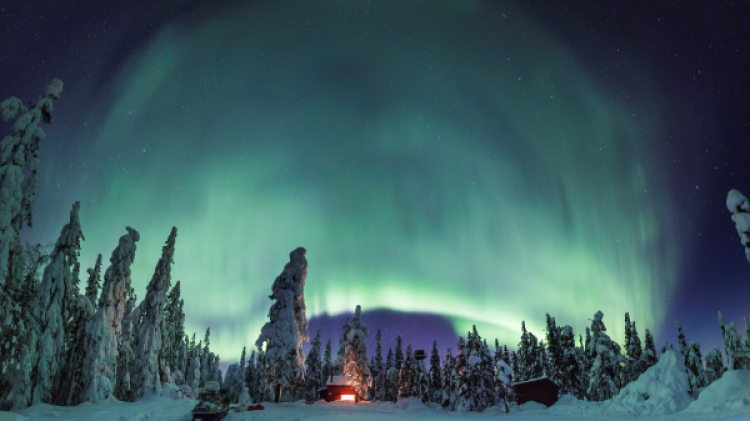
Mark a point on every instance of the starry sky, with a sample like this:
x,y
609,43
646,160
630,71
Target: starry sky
x,y
445,163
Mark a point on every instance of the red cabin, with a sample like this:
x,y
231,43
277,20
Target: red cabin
x,y
340,393
542,390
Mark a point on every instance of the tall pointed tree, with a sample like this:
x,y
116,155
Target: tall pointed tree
x,y
94,281
104,329
53,301
436,384
126,355
150,337
327,363
378,371
314,378
287,329
355,361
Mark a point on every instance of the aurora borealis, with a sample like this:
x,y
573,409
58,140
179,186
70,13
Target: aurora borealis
x,y
453,159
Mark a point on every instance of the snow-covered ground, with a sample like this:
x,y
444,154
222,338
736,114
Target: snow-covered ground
x,y
661,393
567,409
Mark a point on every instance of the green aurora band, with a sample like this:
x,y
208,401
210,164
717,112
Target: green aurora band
x,y
481,174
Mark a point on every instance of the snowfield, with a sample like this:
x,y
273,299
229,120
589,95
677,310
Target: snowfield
x,y
659,394
727,399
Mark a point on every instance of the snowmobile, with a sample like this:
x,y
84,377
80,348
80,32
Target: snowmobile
x,y
211,405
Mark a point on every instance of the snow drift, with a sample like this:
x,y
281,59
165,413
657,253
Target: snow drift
x,y
662,389
730,392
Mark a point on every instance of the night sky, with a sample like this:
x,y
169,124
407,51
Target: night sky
x,y
445,163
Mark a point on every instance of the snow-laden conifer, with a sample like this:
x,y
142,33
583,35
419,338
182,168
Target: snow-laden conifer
x,y
391,378
377,392
736,355
327,363
287,328
398,356
601,387
150,337
648,357
739,206
72,387
174,323
556,364
460,378
103,331
232,373
436,383
695,367
447,381
19,164
406,377
250,373
714,366
571,380
684,350
126,355
54,298
193,377
314,378
94,281
355,361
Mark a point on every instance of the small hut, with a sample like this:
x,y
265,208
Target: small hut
x,y
542,390
340,388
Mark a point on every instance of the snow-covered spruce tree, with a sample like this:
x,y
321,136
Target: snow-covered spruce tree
x,y
634,356
236,382
327,364
94,282
648,357
488,377
556,365
503,388
355,361
601,344
150,337
232,372
174,323
338,363
682,342
378,372
424,384
406,377
193,376
714,366
695,367
126,356
215,371
436,382
104,329
314,378
70,390
250,373
526,355
460,378
398,356
265,378
287,329
391,379
446,380
19,164
206,359
739,206
54,296
571,379
475,391
601,386
732,345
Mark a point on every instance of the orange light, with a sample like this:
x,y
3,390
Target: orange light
x,y
347,397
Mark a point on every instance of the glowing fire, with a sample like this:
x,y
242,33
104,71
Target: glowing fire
x,y
347,397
